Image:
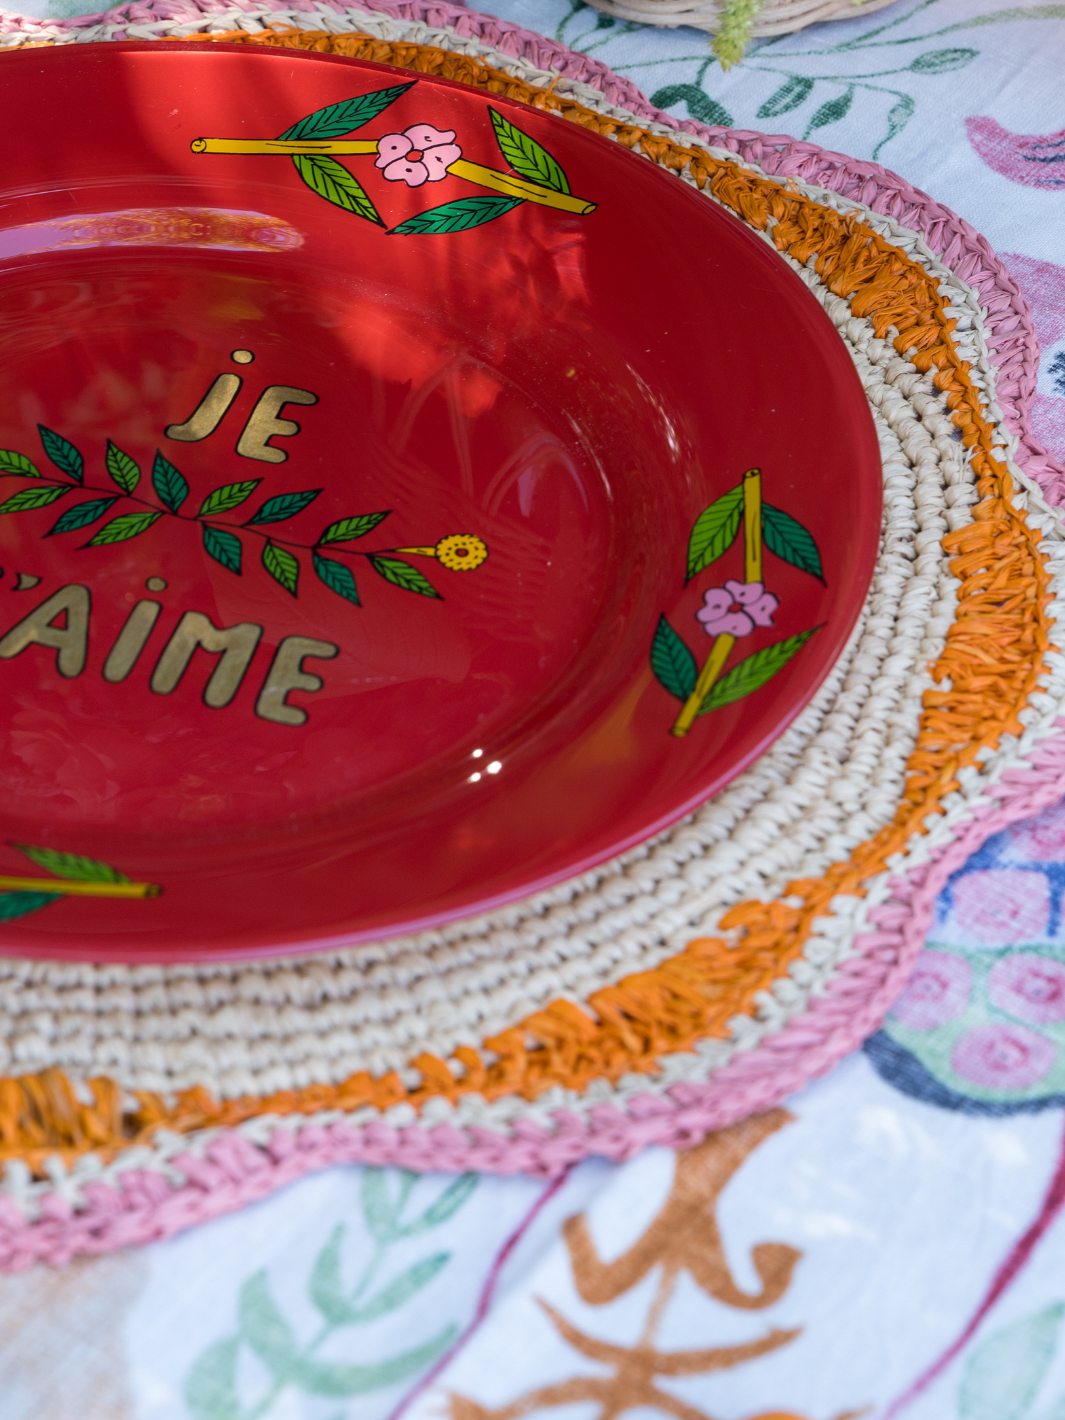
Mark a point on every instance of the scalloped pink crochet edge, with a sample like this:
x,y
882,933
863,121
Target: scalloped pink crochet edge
x,y
142,1206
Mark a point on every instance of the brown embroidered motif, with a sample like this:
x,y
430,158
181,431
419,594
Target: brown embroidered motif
x,y
684,1236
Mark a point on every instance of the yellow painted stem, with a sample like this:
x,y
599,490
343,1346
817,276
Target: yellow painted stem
x,y
338,147
752,525
422,551
752,572
72,889
713,667
518,187
346,147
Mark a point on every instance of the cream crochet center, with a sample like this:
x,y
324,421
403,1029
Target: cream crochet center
x,y
829,783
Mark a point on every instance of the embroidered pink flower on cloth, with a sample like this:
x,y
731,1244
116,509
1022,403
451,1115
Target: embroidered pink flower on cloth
x,y
1002,907
1029,986
937,991
420,154
736,609
1003,1057
1040,839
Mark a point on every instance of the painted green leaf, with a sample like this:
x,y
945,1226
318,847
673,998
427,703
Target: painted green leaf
x,y
62,453
402,1288
457,216
333,1378
790,95
282,566
121,529
230,495
264,1328
831,112
449,1202
285,505
12,462
332,180
335,120
528,159
223,546
337,576
21,904
348,529
898,117
211,1384
700,106
82,515
672,662
168,483
326,1288
1004,1373
715,530
753,671
378,1208
72,865
402,574
122,468
35,498
942,61
789,540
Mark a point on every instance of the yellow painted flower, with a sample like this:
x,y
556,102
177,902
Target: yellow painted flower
x,y
460,552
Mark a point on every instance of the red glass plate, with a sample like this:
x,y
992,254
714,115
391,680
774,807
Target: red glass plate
x,y
407,500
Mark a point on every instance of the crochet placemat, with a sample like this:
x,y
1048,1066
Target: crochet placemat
x,y
710,972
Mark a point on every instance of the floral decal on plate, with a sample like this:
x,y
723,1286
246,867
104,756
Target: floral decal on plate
x,y
222,538
419,154
731,612
736,609
74,876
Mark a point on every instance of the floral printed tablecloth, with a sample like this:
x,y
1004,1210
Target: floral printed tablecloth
x,y
892,1243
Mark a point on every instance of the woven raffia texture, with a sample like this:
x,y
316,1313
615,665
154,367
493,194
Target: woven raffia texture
x,y
773,17
710,972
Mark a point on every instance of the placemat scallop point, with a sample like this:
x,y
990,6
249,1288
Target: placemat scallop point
x,y
704,975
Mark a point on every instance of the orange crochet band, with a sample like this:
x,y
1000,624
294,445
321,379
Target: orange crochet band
x,y
990,666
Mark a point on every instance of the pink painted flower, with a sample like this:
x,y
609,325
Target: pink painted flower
x,y
1002,907
420,154
736,609
937,991
1003,1057
1041,839
1029,986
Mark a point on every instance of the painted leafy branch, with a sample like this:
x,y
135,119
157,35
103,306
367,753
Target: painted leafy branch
x,y
524,156
73,876
834,95
222,541
213,1387
316,143
322,173
734,610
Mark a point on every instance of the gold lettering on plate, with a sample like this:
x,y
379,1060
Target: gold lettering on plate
x,y
131,639
264,423
71,642
208,414
236,644
286,673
